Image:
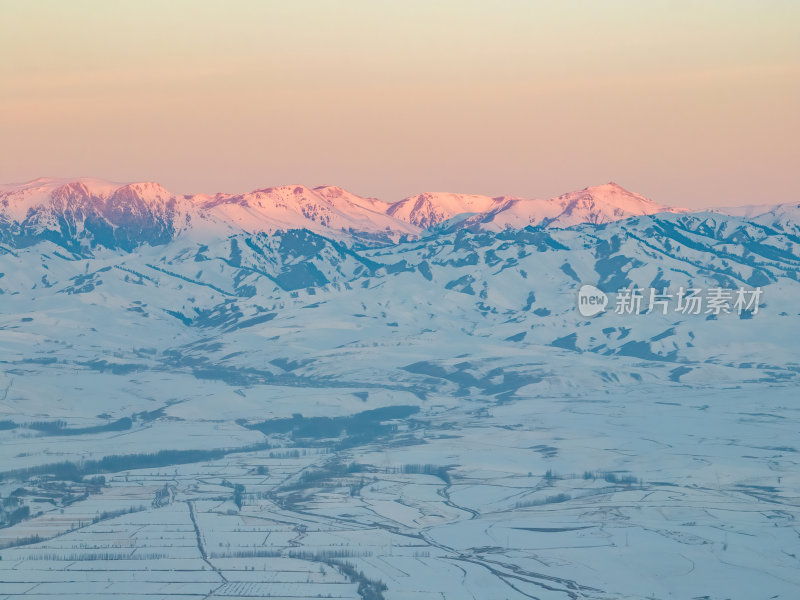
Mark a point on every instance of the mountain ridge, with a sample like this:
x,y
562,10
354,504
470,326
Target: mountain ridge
x,y
89,211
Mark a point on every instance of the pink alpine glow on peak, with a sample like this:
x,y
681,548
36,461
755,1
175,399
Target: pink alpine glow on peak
x,y
431,208
326,209
595,204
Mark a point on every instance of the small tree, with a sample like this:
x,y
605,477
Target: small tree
x,y
238,495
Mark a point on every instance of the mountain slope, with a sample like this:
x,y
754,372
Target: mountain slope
x,y
326,210
431,208
91,212
463,289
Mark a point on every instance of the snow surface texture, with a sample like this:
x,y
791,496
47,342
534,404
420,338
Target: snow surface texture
x,y
297,404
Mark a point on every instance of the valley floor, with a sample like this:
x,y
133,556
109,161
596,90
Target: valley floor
x,y
634,495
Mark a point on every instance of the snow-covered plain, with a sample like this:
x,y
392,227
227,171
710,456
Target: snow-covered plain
x,y
291,415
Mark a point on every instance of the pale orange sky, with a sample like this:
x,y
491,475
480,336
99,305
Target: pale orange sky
x,y
689,103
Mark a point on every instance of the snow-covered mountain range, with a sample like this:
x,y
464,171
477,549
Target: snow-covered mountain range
x,y
410,386
93,212
226,261
155,292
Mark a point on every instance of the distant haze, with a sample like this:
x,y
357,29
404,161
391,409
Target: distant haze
x,y
691,104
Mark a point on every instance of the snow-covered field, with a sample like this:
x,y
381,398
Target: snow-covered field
x,y
626,495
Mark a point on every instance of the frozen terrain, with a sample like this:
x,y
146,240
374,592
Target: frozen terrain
x,y
301,393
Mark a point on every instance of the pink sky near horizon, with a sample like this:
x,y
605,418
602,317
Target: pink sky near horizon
x,y
688,103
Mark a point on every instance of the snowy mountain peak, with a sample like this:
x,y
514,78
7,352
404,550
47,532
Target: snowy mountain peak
x,y
614,195
431,208
611,186
327,210
332,191
603,204
596,204
146,188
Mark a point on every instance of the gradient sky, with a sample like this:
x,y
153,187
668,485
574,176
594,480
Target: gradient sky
x,y
689,103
